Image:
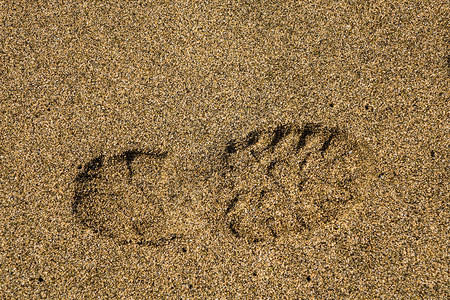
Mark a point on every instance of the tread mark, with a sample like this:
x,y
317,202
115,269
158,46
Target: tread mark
x,y
303,162
231,205
232,227
328,141
279,133
309,129
89,169
271,166
231,147
252,138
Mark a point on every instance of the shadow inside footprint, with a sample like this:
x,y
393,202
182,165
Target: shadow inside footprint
x,y
288,179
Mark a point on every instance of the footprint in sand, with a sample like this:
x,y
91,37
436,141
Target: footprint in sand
x,y
121,196
273,182
289,179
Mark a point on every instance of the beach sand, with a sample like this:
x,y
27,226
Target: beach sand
x,y
224,150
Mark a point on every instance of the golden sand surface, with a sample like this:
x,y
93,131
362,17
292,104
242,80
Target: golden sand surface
x,y
224,149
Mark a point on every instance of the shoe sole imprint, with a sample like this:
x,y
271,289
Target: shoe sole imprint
x,y
276,181
289,179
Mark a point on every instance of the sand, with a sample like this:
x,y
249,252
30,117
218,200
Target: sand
x,y
224,150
